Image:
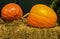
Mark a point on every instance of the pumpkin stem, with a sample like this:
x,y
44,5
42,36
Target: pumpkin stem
x,y
24,19
25,15
54,3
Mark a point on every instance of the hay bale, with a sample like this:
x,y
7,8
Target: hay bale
x,y
18,29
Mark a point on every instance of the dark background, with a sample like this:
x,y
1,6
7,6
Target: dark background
x,y
25,4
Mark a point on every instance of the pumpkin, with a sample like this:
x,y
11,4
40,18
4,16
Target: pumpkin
x,y
42,16
11,11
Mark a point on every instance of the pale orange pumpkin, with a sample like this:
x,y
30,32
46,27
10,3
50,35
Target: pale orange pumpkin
x,y
42,16
11,11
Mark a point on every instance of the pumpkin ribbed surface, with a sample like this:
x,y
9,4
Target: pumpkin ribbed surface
x,y
42,16
11,11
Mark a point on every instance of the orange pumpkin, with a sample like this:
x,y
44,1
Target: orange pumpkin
x,y
11,12
42,16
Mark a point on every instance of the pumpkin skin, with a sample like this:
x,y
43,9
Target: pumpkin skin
x,y
11,12
42,16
